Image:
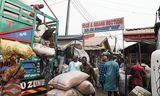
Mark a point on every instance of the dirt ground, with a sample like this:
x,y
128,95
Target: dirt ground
x,y
100,92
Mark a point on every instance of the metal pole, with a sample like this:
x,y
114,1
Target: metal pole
x,y
125,63
115,46
83,40
67,18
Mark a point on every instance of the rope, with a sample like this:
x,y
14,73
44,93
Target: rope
x,y
50,9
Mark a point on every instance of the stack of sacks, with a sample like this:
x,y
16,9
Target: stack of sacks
x,y
41,41
67,84
86,88
58,92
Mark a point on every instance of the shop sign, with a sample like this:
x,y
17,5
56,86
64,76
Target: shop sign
x,y
105,25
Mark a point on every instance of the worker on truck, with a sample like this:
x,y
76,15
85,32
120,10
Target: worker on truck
x,y
37,7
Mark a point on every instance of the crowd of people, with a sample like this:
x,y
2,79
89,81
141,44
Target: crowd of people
x,y
111,74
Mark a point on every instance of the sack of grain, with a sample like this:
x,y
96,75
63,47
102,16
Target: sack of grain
x,y
36,34
139,91
43,50
86,88
57,92
68,80
11,48
13,72
42,28
12,88
37,39
45,42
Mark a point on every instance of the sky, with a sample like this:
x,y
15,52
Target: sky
x,y
136,13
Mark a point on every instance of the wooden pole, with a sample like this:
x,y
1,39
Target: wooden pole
x,y
139,51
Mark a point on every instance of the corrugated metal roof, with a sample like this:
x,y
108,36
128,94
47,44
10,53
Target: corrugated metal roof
x,y
147,30
70,37
95,41
63,44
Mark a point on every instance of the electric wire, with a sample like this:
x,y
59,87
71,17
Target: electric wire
x,y
125,11
58,2
81,10
126,4
76,7
84,10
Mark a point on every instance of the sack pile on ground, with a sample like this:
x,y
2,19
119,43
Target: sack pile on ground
x,y
70,92
72,83
85,88
42,42
139,91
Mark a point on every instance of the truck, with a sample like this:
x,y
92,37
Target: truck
x,y
17,25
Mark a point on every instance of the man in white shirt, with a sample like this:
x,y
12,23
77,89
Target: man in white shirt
x,y
75,65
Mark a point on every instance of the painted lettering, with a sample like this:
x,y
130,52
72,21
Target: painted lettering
x,y
10,22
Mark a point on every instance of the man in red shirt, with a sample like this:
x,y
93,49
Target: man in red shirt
x,y
137,76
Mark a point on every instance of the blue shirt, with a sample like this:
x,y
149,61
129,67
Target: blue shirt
x,y
102,72
111,76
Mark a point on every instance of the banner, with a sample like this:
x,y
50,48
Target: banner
x,y
105,25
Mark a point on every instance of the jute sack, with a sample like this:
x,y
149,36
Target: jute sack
x,y
37,39
43,50
86,88
139,91
11,88
68,80
10,48
13,70
57,92
42,28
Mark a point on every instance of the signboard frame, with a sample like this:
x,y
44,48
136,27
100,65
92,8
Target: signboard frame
x,y
103,25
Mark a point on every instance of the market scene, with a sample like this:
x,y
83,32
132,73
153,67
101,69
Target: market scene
x,y
79,48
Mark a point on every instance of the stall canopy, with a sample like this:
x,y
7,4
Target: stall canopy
x,y
90,42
